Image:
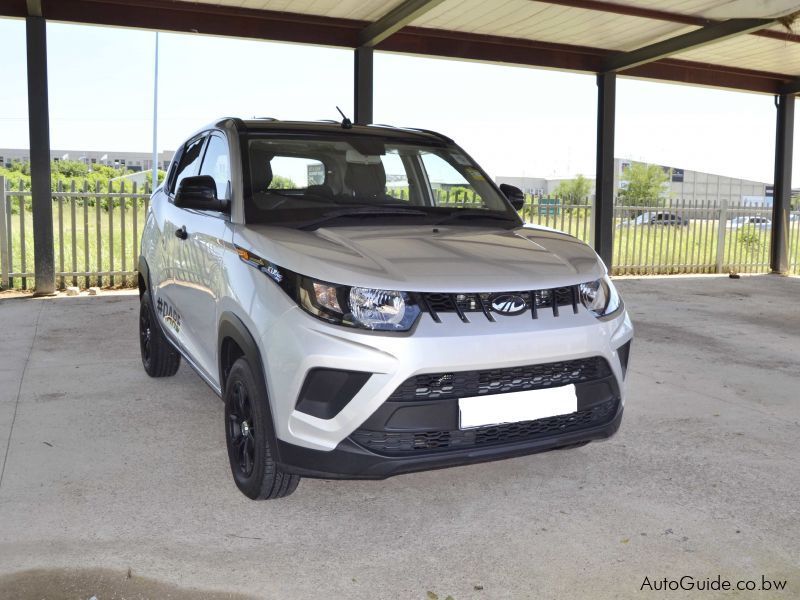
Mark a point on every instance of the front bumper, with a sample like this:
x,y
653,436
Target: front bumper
x,y
298,343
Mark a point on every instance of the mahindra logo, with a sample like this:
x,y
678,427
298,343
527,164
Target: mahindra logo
x,y
508,304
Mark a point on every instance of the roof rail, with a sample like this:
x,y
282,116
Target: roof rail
x,y
236,120
441,136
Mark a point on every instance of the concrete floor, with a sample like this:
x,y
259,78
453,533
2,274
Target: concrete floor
x,y
108,469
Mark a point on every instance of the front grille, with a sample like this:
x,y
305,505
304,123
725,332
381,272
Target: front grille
x,y
428,441
532,303
460,384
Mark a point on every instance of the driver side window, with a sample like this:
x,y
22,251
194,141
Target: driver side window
x,y
217,165
190,161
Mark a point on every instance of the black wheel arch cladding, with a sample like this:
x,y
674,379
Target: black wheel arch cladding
x,y
231,327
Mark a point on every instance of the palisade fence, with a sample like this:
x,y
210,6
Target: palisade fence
x,y
97,235
673,237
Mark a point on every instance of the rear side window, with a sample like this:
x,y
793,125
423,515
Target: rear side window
x,y
296,173
217,164
397,185
190,161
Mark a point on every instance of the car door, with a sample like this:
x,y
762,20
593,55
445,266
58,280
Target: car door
x,y
172,261
199,281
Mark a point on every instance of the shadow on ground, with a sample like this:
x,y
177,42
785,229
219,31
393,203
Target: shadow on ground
x,y
101,584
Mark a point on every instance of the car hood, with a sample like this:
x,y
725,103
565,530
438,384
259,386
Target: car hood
x,y
424,259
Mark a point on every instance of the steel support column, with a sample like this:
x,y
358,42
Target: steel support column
x,y
363,85
39,129
604,177
784,142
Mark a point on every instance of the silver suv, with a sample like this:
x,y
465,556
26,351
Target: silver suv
x,y
367,302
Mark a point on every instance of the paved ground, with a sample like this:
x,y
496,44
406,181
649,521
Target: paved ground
x,y
107,469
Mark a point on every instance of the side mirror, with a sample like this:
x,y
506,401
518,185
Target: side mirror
x,y
514,195
199,193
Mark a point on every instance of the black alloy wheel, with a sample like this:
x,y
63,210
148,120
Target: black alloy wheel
x,y
242,430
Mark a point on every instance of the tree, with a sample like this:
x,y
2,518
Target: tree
x,y
149,177
574,191
70,169
279,182
645,184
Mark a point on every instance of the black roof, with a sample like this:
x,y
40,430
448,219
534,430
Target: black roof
x,y
384,131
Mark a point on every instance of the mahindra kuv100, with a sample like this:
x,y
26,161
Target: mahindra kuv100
x,y
367,302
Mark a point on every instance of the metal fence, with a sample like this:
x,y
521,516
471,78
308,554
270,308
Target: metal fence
x,y
97,233
675,238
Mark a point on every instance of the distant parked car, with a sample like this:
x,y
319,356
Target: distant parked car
x,y
756,222
656,218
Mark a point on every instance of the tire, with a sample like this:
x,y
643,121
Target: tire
x,y
248,433
573,446
159,358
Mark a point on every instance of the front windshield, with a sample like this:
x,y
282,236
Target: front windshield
x,y
297,181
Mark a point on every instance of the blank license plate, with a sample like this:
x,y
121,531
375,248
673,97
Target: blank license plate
x,y
528,405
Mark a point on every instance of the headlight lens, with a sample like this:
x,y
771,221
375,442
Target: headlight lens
x,y
380,310
600,296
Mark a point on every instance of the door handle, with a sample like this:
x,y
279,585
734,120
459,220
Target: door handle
x,y
181,233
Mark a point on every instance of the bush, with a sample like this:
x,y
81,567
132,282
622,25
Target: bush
x,y
750,239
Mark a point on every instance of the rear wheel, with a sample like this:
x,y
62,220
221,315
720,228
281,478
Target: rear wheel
x,y
159,358
248,431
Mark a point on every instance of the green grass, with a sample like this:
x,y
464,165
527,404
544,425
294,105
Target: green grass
x,y
124,257
658,249
640,250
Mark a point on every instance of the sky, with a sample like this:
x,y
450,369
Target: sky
x,y
514,121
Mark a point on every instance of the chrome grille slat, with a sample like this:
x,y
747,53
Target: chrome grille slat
x,y
462,304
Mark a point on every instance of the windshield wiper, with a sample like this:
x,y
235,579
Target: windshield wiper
x,y
361,212
461,213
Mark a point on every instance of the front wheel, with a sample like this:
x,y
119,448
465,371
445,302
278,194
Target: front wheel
x,y
248,430
572,446
159,358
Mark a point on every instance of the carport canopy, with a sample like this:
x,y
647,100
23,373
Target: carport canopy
x,y
745,45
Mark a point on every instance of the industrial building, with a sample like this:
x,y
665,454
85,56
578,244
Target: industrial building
x,y
133,161
683,185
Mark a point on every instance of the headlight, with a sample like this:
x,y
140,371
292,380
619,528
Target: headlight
x,y
600,296
381,310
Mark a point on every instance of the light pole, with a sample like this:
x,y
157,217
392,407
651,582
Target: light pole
x,y
155,120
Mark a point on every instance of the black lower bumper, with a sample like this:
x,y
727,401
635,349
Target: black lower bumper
x,y
349,460
418,427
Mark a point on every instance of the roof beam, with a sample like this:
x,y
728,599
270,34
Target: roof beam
x,y
620,61
394,20
657,14
792,87
631,10
470,46
212,19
